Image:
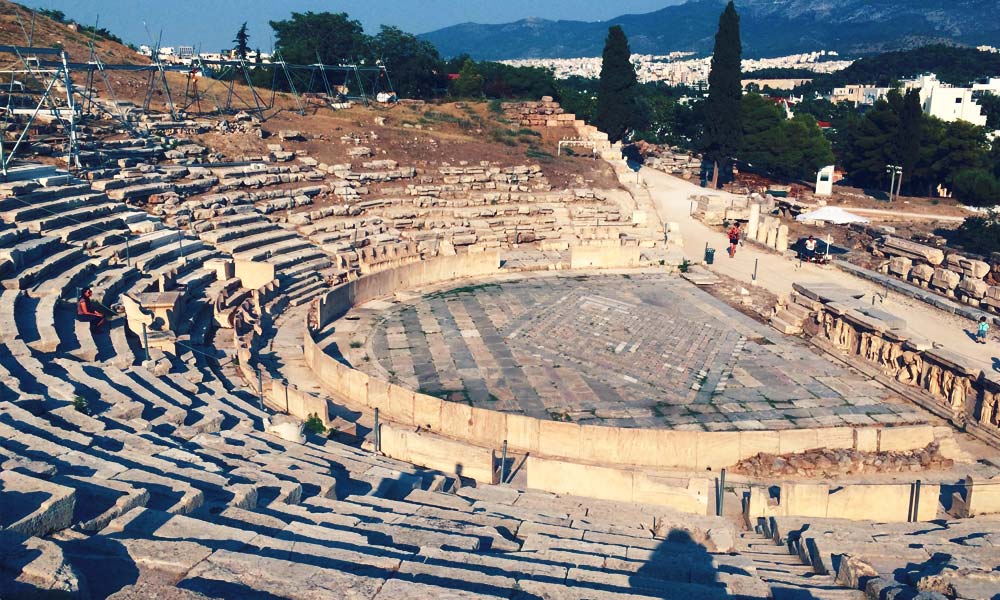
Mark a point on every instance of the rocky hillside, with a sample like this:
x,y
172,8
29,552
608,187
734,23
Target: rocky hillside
x,y
18,23
769,27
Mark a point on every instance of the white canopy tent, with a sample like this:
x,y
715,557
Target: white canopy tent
x,y
831,214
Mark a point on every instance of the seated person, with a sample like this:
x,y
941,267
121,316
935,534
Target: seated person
x,y
810,248
86,310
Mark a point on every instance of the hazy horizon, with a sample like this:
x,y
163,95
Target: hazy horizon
x,y
211,27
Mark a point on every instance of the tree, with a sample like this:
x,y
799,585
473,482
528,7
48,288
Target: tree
x,y
416,68
785,148
976,187
990,104
869,146
469,82
908,136
242,41
963,146
980,234
616,89
723,127
332,37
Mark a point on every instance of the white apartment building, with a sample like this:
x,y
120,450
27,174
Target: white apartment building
x,y
946,102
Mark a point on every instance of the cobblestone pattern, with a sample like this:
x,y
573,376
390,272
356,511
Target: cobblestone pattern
x,y
643,350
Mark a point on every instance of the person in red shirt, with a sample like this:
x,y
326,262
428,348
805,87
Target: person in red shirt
x,y
734,239
86,312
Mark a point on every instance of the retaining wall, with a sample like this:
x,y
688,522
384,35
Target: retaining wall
x,y
888,503
621,485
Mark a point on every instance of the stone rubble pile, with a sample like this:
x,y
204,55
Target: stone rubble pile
x,y
548,113
832,463
973,282
945,559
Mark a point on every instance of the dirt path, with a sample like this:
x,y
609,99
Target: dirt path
x,y
777,274
896,214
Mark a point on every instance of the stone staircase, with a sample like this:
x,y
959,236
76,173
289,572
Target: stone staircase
x,y
791,316
785,573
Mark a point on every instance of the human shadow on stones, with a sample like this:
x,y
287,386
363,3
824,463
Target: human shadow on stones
x,y
911,574
14,557
822,248
678,567
972,334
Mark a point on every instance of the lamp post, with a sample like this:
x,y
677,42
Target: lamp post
x,y
894,171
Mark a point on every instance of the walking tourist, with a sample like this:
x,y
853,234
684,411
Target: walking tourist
x,y
982,331
734,239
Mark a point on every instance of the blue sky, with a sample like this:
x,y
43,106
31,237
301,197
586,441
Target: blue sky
x,y
212,24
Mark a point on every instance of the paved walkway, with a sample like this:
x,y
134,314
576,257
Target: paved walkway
x,y
777,274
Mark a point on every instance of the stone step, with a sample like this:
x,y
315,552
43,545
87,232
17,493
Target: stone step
x,y
57,260
240,230
30,251
783,326
44,194
49,209
79,216
254,242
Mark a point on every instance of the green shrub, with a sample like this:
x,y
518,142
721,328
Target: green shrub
x,y
980,234
976,187
538,153
315,425
81,405
495,106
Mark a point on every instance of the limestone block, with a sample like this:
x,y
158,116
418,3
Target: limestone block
x,y
761,236
984,496
899,247
287,428
781,240
946,280
967,266
854,571
899,439
772,234
900,266
922,273
754,221
973,288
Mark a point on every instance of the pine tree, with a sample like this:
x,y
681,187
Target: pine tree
x,y
469,82
242,41
723,124
616,91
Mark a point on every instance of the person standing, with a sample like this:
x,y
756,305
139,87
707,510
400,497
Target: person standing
x,y
982,331
734,239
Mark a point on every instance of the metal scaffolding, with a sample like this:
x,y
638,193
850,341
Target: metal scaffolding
x,y
49,91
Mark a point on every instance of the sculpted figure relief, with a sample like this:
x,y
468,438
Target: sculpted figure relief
x,y
988,412
932,380
909,372
957,394
889,358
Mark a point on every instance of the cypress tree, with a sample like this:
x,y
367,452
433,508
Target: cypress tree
x,y
616,91
723,124
908,135
242,40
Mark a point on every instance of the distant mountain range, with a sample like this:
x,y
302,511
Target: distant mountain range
x,y
769,28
